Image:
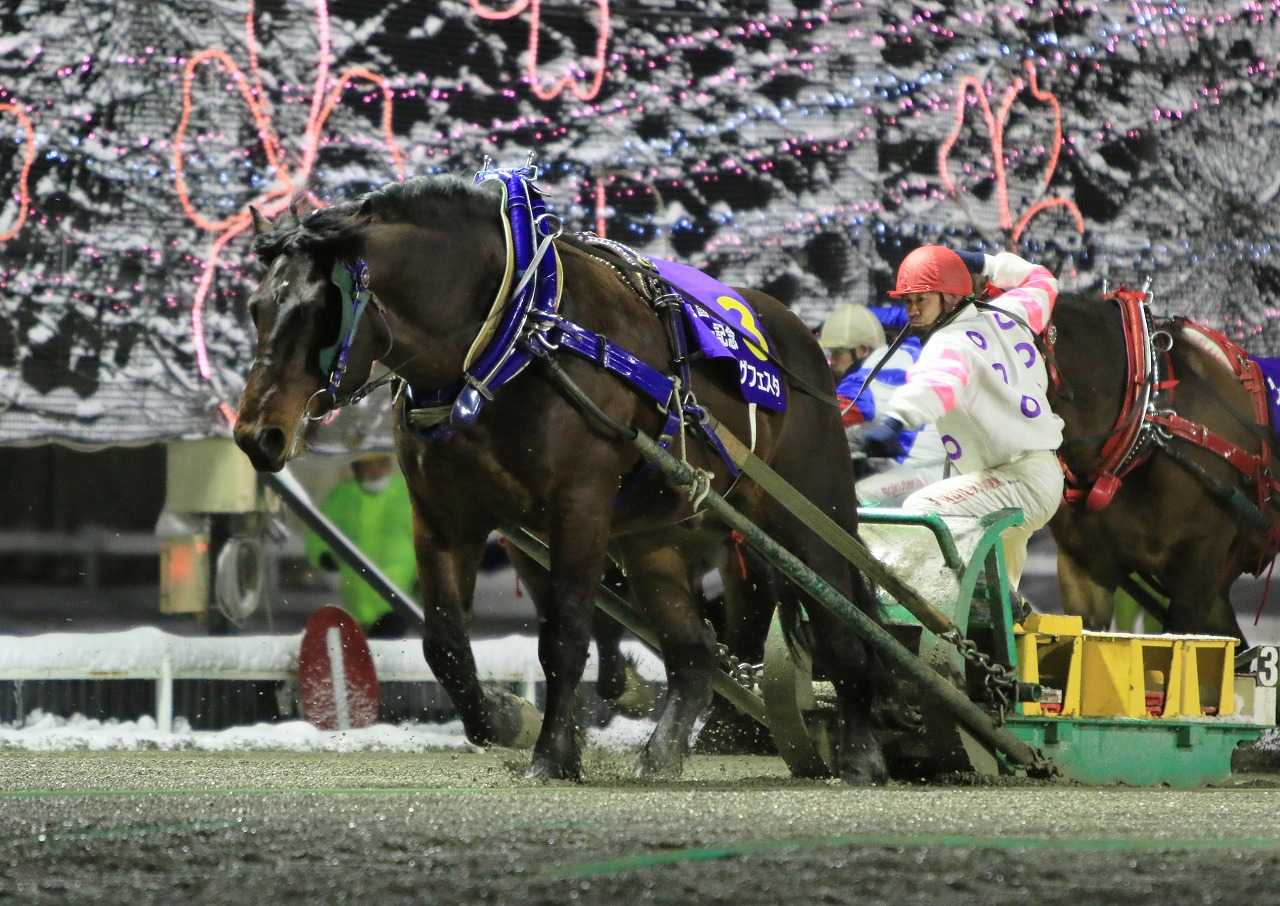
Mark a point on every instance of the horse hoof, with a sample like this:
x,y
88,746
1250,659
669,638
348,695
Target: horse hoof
x,y
637,697
548,769
516,722
655,767
869,769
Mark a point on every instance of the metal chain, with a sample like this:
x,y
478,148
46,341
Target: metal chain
x,y
744,674
999,682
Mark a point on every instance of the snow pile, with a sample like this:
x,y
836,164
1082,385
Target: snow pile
x,y
911,552
43,732
802,148
623,734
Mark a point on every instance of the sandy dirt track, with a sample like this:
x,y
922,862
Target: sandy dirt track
x,y
260,828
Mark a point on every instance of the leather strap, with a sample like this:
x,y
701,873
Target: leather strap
x,y
826,528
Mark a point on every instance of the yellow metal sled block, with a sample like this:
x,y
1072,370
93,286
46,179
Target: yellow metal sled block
x,y
1053,624
1203,682
1106,674
1117,669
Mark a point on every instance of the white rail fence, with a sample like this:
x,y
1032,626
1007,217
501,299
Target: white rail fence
x,y
163,658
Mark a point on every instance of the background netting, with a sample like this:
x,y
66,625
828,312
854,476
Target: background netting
x,y
803,147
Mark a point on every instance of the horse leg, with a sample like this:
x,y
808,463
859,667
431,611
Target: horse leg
x,y
611,676
748,604
1199,593
447,574
578,552
659,576
742,626
1081,595
851,665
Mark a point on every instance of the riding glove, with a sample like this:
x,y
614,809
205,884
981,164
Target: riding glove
x,y
881,438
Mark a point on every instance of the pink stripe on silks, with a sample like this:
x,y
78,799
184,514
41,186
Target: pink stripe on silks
x,y
952,363
1035,312
945,392
943,375
1038,309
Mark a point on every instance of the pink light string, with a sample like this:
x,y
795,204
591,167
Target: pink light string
x,y
28,156
531,64
995,130
287,181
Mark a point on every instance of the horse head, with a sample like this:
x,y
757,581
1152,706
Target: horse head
x,y
433,251
297,313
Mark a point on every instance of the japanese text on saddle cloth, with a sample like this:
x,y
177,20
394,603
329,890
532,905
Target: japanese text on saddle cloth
x,y
982,381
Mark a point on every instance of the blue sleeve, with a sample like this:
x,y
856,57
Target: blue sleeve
x,y
893,317
851,386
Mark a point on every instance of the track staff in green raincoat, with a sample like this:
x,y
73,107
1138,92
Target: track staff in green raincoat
x,y
372,509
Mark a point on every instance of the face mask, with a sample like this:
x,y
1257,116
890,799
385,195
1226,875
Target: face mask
x,y
373,486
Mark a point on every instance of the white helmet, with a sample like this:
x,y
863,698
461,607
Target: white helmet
x,y
850,326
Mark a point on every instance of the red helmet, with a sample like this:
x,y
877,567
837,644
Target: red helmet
x,y
933,269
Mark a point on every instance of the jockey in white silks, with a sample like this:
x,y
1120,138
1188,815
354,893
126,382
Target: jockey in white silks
x,y
920,462
983,383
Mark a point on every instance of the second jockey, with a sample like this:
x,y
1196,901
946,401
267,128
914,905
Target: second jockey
x,y
981,380
886,481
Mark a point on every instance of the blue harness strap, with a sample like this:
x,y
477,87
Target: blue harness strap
x,y
352,280
530,326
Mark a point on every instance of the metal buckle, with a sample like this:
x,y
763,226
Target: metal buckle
x,y
479,386
539,343
559,229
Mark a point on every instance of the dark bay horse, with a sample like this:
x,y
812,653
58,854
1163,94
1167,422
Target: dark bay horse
x,y
1164,522
435,252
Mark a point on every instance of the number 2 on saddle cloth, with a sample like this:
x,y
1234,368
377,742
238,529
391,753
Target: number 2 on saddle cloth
x,y
725,326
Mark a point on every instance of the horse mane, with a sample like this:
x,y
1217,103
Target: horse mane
x,y
422,201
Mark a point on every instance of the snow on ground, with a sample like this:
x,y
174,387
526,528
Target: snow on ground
x,y
42,732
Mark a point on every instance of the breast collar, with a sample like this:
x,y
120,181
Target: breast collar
x,y
497,354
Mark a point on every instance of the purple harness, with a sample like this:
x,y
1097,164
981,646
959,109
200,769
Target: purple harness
x,y
532,327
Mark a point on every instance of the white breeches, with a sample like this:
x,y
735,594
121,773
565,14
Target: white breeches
x,y
1032,483
892,486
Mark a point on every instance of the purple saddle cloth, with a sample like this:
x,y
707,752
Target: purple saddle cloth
x,y
725,326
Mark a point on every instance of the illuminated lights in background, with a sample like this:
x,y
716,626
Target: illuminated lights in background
x,y
702,111
531,65
28,156
995,133
286,182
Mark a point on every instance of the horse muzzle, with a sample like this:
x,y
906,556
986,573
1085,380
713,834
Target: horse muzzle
x,y
265,445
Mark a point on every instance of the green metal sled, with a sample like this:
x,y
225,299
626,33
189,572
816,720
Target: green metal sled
x,y
1135,751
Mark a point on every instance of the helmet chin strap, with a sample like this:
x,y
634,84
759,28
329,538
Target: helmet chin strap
x,y
950,315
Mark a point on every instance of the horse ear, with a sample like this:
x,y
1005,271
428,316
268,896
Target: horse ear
x,y
260,224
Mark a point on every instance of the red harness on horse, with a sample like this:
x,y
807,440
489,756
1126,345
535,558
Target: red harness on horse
x,y
1150,372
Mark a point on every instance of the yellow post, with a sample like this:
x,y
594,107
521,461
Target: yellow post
x,y
1028,669
1071,695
